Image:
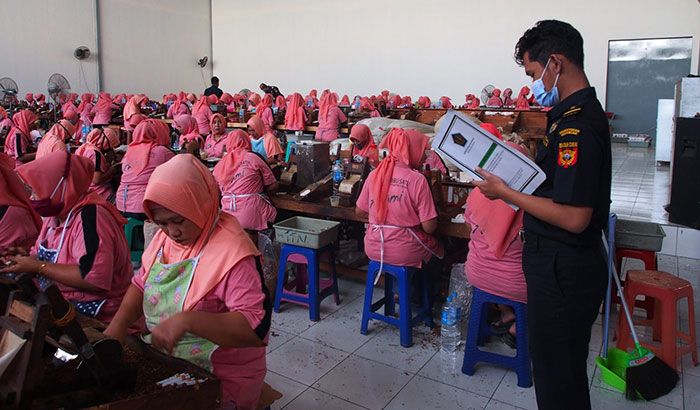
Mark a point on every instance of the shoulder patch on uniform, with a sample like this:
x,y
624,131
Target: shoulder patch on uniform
x,y
572,111
569,131
553,127
568,154
545,141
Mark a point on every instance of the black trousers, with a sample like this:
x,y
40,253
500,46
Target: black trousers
x,y
565,287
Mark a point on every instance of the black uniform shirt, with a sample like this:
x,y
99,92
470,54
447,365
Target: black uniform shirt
x,y
213,90
272,90
575,155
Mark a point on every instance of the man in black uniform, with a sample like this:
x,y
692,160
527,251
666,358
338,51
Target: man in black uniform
x,y
214,89
270,89
563,258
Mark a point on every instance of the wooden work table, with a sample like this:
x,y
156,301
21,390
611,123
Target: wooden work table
x,y
323,208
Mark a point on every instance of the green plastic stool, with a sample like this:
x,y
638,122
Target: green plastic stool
x,y
131,224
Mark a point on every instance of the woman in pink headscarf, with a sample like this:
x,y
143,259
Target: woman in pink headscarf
x,y
264,111
19,224
212,99
85,108
179,106
264,143
424,102
200,291
69,104
522,102
394,101
18,143
148,149
215,144
5,122
295,117
446,102
55,139
29,98
243,177
363,145
191,140
367,105
330,116
311,100
40,99
345,101
397,199
472,101
495,99
202,114
132,111
103,109
227,99
508,97
81,246
280,103
253,100
191,99
99,148
494,261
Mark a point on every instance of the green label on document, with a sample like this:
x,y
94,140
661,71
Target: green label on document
x,y
487,155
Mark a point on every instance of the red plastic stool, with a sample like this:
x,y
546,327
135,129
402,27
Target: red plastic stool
x,y
649,260
666,290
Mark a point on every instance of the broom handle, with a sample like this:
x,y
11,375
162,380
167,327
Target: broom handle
x,y
606,322
626,309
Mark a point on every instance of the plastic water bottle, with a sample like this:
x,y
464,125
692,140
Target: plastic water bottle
x,y
176,142
449,335
241,114
84,132
337,176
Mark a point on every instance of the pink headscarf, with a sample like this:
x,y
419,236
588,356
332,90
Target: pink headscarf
x,y
133,106
256,123
362,134
327,103
395,101
265,103
254,99
472,101
446,102
40,98
226,98
44,174
295,117
22,125
405,146
406,101
492,129
85,99
237,145
223,123
104,102
423,102
29,97
280,102
12,192
148,134
187,126
522,103
191,98
55,139
212,99
185,186
97,140
201,104
507,100
345,101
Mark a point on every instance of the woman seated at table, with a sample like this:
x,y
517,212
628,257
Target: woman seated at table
x,y
264,111
190,139
494,261
295,116
330,116
243,177
132,111
264,143
179,106
19,144
366,105
202,114
215,144
148,149
363,145
19,224
199,286
81,246
103,110
5,122
398,201
85,108
99,148
55,139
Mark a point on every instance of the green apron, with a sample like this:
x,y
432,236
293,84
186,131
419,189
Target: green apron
x,y
164,295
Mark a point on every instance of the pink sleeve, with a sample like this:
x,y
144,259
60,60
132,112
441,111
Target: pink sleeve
x,y
341,115
267,117
242,291
139,279
162,155
363,199
268,178
92,247
169,114
423,199
272,146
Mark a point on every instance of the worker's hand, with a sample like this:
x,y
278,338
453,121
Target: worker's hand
x,y
492,186
169,332
21,264
15,250
117,332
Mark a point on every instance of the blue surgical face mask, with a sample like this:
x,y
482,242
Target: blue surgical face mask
x,y
543,97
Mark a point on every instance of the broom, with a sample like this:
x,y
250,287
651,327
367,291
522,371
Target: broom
x,y
647,375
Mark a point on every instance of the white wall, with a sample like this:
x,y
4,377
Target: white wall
x,y
153,46
418,47
37,39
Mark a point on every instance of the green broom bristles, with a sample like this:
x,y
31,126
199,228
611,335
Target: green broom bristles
x,y
649,377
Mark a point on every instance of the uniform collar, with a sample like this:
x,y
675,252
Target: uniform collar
x,y
575,99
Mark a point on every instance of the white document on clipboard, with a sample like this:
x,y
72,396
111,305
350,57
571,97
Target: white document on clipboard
x,y
468,146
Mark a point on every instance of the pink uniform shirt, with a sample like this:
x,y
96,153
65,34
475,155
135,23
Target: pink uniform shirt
x,y
95,242
268,119
215,148
501,276
328,127
18,145
203,116
241,370
410,203
172,113
133,186
252,176
17,228
101,164
102,114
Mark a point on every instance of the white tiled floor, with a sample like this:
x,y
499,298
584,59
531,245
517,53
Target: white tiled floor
x,y
330,365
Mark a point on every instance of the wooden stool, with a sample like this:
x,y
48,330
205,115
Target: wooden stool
x,y
666,290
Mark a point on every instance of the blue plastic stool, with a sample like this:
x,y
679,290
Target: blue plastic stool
x,y
315,294
131,224
478,331
406,320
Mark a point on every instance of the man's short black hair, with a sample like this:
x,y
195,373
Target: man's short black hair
x,y
550,37
215,80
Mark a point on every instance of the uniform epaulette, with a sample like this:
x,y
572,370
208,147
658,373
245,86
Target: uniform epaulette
x,y
572,111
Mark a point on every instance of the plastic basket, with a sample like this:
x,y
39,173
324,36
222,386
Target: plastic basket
x,y
647,236
307,232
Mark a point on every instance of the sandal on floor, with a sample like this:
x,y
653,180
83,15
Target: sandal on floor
x,y
500,328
